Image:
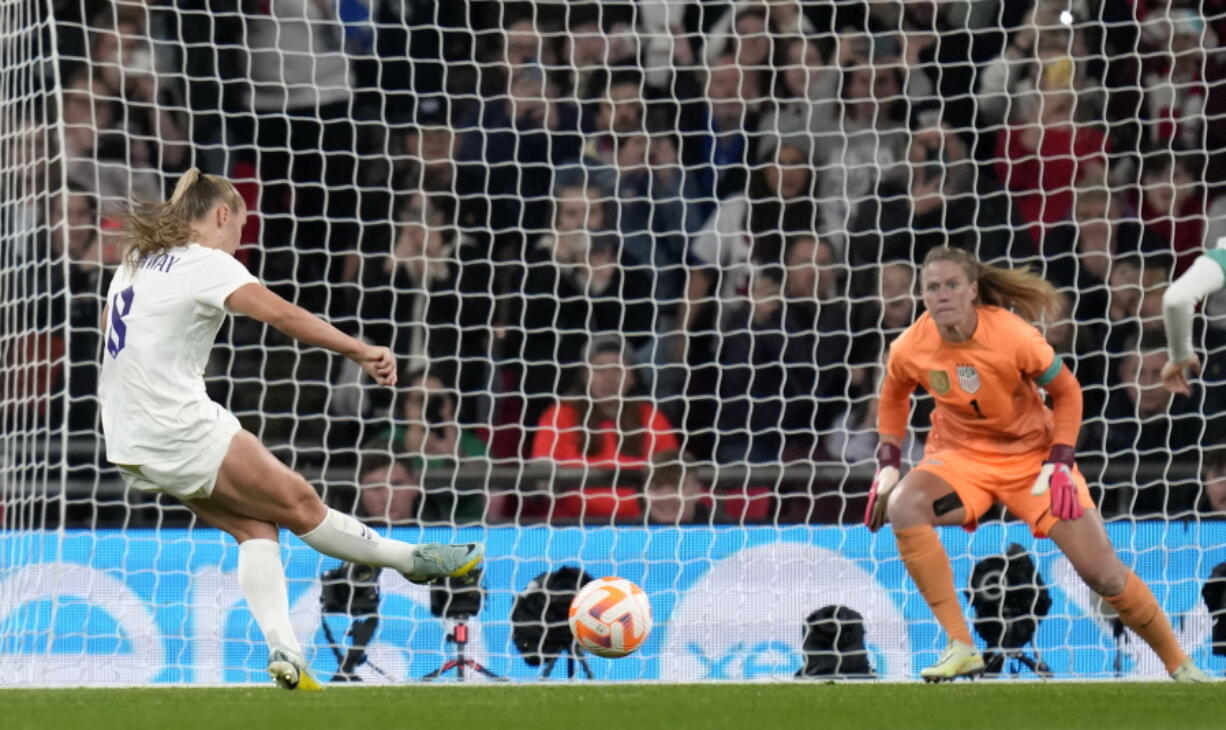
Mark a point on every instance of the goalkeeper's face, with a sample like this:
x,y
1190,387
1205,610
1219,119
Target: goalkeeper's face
x,y
949,294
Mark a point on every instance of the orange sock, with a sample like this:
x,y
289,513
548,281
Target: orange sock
x,y
929,567
1139,611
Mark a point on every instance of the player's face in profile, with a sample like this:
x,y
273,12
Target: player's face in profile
x,y
949,294
233,228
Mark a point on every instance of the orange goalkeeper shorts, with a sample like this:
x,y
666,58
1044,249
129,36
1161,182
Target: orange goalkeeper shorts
x,y
981,480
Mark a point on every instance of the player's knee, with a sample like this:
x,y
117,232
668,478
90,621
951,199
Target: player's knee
x,y
909,507
303,510
1105,580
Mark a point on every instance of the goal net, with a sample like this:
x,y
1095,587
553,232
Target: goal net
x,y
640,263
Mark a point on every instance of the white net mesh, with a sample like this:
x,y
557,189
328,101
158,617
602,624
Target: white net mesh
x,y
600,236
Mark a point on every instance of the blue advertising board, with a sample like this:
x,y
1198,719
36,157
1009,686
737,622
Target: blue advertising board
x,y
144,607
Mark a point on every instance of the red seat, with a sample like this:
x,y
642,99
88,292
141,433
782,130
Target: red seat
x,y
600,504
751,504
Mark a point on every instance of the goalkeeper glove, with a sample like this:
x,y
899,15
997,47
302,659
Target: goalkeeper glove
x,y
889,458
1057,476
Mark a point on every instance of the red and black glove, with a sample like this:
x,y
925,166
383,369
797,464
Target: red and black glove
x,y
1056,476
889,462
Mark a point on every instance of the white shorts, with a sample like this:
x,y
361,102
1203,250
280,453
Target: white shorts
x,y
191,477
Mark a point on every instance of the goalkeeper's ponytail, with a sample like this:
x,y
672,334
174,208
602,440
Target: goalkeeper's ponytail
x,y
1021,290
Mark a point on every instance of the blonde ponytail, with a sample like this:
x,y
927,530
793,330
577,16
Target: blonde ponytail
x,y
153,228
1023,291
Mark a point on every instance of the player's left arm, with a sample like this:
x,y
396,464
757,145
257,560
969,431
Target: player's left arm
x,y
1038,361
1056,475
1203,278
259,302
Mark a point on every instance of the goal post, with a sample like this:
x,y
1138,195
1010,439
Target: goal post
x,y
640,263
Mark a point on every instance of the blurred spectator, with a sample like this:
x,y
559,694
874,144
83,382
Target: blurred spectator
x,y
653,209
890,309
571,288
73,225
756,22
429,443
1172,206
1213,477
304,139
780,375
387,492
673,494
96,150
869,146
421,47
431,142
122,57
804,90
818,323
716,146
524,45
586,46
436,442
1097,261
616,119
753,392
1078,255
853,438
432,435
1175,79
945,202
749,229
1145,424
936,46
604,422
1010,80
745,231
751,49
425,291
1045,152
814,281
522,136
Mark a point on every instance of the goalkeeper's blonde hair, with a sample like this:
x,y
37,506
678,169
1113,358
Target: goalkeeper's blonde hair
x,y
153,228
1021,290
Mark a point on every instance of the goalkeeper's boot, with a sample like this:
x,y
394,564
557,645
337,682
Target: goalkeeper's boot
x,y
433,561
958,660
289,671
1189,673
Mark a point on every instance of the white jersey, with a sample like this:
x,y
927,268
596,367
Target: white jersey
x,y
163,316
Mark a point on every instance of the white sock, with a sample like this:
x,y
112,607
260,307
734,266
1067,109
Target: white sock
x,y
262,580
341,536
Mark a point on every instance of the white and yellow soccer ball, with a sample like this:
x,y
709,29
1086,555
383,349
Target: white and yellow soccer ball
x,y
610,617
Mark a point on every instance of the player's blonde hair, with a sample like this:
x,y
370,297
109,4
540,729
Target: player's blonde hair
x,y
1023,291
153,228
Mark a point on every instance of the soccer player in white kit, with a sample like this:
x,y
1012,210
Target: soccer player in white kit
x,y
1205,276
166,302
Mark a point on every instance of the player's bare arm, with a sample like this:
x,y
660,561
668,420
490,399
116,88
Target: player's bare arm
x,y
259,302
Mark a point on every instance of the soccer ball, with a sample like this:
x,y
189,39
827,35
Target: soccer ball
x,y
610,617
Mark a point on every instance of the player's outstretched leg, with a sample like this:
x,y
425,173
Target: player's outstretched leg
x,y
341,536
433,561
1085,543
252,482
1139,611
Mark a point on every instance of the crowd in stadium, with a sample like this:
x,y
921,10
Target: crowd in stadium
x,y
617,234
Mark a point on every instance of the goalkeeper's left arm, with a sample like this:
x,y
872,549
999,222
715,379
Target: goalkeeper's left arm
x,y
1205,277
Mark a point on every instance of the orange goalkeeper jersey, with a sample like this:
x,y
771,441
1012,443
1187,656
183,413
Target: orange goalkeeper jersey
x,y
986,388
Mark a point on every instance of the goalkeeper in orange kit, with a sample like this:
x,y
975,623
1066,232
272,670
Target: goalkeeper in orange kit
x,y
993,439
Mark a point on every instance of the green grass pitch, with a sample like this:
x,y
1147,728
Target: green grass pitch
x,y
579,706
